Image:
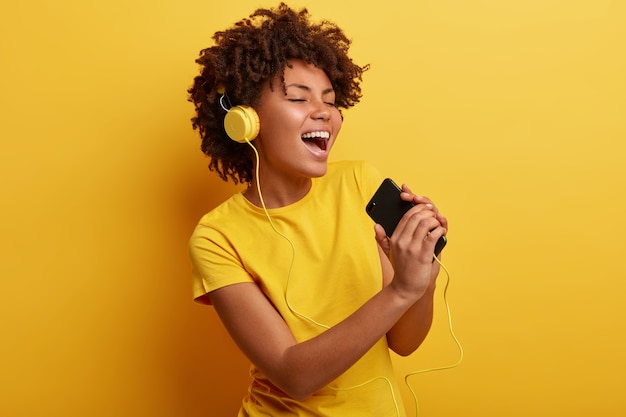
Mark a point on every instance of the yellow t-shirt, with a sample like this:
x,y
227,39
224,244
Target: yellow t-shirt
x,y
332,269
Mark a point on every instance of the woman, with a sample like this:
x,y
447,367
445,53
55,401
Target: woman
x,y
308,292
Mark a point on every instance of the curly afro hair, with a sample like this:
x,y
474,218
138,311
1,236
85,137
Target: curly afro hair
x,y
254,51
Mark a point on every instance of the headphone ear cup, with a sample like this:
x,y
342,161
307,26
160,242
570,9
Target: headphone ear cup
x,y
242,123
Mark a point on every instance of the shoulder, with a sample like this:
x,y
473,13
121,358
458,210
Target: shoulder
x,y
364,175
215,225
233,206
358,169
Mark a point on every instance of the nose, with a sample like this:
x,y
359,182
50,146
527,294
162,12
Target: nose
x,y
321,112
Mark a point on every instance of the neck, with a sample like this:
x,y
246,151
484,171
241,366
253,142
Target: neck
x,y
277,195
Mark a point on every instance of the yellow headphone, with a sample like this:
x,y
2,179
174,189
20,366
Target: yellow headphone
x,y
241,122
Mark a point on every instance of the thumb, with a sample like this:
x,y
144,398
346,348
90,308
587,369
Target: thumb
x,y
382,239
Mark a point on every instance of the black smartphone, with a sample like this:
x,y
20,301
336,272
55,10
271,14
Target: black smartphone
x,y
387,208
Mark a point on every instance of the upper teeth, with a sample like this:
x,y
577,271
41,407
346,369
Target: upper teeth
x,y
311,135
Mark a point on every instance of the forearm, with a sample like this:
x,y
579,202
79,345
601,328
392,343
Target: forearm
x,y
308,366
300,369
412,328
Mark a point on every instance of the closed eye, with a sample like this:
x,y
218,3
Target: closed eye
x,y
302,100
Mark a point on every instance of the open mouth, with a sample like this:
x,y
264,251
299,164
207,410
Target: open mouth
x,y
316,141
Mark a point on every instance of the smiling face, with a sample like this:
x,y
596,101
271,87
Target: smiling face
x,y
299,128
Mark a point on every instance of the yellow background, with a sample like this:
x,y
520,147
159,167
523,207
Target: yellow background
x,y
510,114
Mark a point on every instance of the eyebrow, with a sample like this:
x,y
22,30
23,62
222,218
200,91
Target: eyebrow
x,y
308,89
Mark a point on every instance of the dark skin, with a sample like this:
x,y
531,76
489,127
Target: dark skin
x,y
248,55
298,76
401,311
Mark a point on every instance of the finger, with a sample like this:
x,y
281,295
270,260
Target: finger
x,y
381,236
443,220
433,238
434,234
416,224
425,229
418,238
408,195
419,199
408,220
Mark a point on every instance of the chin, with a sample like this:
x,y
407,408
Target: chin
x,y
318,174
318,171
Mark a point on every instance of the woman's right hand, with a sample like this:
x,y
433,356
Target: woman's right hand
x,y
411,247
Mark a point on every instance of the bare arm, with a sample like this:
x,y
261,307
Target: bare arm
x,y
412,328
300,369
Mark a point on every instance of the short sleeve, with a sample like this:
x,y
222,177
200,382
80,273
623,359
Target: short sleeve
x,y
215,263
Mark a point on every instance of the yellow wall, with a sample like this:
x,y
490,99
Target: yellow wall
x,y
510,114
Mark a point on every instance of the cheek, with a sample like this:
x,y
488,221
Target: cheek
x,y
269,125
280,120
337,122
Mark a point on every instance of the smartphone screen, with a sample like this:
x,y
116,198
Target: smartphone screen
x,y
387,208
